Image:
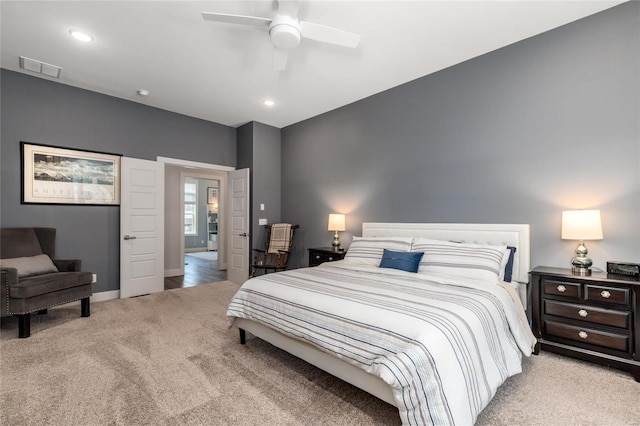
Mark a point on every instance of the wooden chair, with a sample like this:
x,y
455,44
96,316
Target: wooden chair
x,y
278,245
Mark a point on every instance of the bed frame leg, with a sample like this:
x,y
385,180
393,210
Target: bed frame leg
x,y
243,336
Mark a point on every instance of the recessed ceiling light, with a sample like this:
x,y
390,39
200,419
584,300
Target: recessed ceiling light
x,y
268,102
143,92
79,35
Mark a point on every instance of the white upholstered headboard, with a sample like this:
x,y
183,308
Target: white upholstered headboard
x,y
514,235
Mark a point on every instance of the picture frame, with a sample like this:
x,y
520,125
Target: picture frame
x,y
57,175
212,195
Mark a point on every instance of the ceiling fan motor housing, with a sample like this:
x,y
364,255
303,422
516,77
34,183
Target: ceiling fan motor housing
x,y
285,32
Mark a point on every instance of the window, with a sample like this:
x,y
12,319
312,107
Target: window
x,y
190,206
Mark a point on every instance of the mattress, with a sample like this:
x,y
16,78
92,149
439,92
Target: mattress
x,y
443,344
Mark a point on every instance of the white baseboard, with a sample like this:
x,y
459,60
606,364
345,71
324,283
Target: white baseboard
x,y
195,249
97,297
172,272
105,295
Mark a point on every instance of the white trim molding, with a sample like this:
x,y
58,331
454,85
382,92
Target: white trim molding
x,y
193,164
173,272
95,297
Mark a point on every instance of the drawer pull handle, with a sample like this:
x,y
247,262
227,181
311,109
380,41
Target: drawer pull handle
x,y
605,294
317,257
330,259
561,288
583,313
583,335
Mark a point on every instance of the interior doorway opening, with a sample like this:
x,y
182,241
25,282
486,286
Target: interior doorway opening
x,y
195,234
202,207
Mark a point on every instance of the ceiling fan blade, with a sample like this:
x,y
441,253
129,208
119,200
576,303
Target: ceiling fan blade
x,y
288,8
280,58
329,34
255,21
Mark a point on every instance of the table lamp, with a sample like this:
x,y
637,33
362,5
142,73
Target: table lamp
x,y
336,223
581,225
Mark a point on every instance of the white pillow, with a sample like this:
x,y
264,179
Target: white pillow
x,y
480,261
29,266
368,250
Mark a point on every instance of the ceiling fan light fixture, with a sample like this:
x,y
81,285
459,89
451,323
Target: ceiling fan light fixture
x,y
285,32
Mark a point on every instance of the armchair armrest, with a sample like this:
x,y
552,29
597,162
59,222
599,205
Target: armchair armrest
x,y
68,265
4,289
8,276
12,275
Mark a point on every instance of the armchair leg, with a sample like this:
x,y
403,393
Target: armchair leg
x,y
24,325
85,311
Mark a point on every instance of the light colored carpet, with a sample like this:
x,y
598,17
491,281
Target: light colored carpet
x,y
167,359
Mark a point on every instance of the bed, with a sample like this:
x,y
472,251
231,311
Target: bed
x,y
447,341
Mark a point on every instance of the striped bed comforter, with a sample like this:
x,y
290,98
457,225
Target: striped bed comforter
x,y
444,345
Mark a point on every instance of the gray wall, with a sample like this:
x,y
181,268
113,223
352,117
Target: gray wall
x,y
267,181
244,155
259,150
514,136
41,111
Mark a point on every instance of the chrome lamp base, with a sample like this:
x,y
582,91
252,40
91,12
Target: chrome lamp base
x,y
336,241
581,264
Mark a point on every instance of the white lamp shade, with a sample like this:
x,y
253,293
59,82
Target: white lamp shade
x,y
336,222
581,225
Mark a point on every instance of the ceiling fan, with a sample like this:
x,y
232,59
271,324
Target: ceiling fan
x,y
285,30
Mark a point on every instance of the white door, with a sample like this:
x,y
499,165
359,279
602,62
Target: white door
x,y
238,263
141,227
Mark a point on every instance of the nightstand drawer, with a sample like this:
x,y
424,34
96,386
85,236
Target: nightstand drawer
x,y
613,318
563,288
587,335
324,257
618,296
321,255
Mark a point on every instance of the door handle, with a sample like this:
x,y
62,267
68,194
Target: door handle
x,y
244,234
129,237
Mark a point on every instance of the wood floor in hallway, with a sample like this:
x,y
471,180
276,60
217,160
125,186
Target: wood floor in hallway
x,y
196,271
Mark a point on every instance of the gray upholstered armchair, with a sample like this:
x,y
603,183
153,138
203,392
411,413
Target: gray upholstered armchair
x,y
33,280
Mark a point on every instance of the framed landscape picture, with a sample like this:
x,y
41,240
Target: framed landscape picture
x,y
56,175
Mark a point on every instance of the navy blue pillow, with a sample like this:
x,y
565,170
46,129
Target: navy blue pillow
x,y
402,260
508,269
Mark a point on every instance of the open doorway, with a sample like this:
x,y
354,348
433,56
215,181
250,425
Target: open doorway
x,y
201,201
195,243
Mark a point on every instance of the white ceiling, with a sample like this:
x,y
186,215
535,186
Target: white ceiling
x,y
223,72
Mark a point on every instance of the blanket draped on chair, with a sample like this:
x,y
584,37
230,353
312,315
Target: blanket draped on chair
x,y
280,237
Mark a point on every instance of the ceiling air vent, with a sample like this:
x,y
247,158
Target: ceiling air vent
x,y
40,67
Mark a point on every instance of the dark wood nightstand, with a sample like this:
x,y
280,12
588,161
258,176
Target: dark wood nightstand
x,y
594,317
320,255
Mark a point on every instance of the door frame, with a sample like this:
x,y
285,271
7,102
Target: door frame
x,y
204,171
